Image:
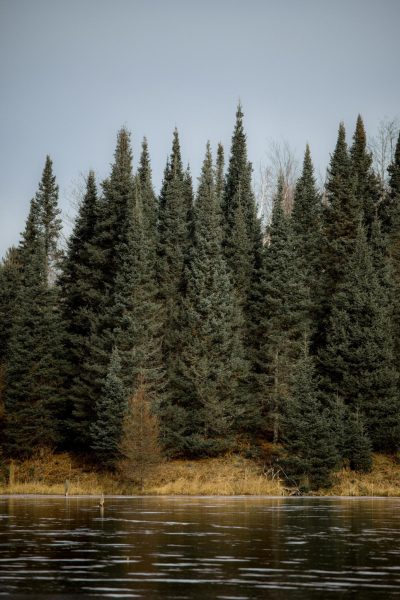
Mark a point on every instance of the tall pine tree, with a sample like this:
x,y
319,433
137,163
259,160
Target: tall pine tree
x,y
284,316
33,381
367,187
211,363
79,286
174,228
358,363
106,254
307,435
307,228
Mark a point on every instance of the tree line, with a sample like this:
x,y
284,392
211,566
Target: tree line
x,y
225,330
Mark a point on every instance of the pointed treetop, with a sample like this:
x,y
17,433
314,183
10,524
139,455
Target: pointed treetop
x,y
307,157
219,174
308,167
341,144
339,166
220,154
176,159
91,182
360,137
206,177
122,155
361,158
239,113
144,170
306,206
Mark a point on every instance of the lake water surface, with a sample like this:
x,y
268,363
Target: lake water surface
x,y
180,547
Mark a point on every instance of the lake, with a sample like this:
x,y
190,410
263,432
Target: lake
x,y
213,547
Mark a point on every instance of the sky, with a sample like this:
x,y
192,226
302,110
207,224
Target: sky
x,y
73,72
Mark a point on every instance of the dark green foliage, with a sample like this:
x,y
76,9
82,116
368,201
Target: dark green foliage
x,y
307,228
173,233
341,216
49,217
149,199
111,407
179,302
211,364
307,435
284,315
367,187
220,179
358,446
389,212
10,277
357,363
106,254
32,400
79,283
241,231
174,229
242,244
389,209
132,319
137,311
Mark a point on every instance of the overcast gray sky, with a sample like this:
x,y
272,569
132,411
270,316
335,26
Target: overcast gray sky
x,y
72,72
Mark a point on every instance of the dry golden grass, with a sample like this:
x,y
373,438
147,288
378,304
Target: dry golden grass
x,y
226,476
47,472
384,480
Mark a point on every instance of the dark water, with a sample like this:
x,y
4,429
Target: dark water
x,y
174,547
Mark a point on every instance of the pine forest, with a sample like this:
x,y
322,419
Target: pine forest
x,y
183,326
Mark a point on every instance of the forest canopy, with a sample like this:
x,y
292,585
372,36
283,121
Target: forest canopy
x,y
185,311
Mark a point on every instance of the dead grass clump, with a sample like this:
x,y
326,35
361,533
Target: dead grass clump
x,y
383,480
213,476
46,473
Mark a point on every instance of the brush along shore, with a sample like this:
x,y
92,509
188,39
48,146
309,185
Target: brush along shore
x,y
230,475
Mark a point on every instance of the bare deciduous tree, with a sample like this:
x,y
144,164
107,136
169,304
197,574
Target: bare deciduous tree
x,y
281,160
139,445
382,147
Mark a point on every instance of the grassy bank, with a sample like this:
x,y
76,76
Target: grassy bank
x,y
230,475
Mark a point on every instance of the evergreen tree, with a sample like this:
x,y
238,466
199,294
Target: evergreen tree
x,y
307,228
173,253
220,182
243,248
341,216
211,363
390,219
106,254
367,186
389,209
137,312
149,199
49,216
242,230
357,443
10,276
32,400
284,315
357,363
79,283
307,435
111,407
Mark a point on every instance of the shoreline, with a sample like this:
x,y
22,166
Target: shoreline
x,y
228,476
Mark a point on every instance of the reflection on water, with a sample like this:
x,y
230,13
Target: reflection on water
x,y
174,547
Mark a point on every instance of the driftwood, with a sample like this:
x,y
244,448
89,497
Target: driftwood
x,y
277,472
